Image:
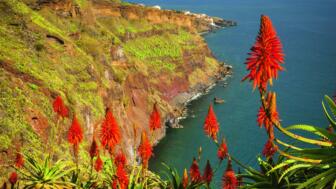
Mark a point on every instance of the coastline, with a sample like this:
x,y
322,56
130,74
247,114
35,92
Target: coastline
x,y
183,99
207,24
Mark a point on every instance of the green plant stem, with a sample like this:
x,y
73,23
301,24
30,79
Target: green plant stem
x,y
290,134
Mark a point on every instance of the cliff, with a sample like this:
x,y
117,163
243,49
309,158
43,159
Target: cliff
x,y
96,54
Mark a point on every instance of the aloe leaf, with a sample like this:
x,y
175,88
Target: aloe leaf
x,y
287,162
292,168
301,138
323,183
331,121
287,145
315,179
314,130
331,104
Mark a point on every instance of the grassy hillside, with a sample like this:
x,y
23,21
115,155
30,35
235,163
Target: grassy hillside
x,y
93,59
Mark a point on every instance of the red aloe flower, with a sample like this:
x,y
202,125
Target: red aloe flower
x,y
99,164
75,134
59,107
266,55
155,119
13,178
269,148
211,126
145,150
94,151
195,174
229,178
273,117
110,133
115,183
120,159
208,173
19,160
121,178
222,151
185,180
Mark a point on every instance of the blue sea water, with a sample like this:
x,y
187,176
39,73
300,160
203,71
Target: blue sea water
x,y
307,31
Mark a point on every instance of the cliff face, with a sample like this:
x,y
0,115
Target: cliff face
x,y
95,54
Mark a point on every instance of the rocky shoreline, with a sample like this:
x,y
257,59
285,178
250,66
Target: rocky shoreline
x,y
182,100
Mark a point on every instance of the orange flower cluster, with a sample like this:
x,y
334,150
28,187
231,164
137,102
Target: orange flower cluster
x,y
120,159
229,178
145,150
222,151
211,126
110,133
19,160
60,108
94,152
208,173
98,164
272,117
13,178
155,119
265,61
268,119
121,180
75,134
185,179
195,174
266,56
269,149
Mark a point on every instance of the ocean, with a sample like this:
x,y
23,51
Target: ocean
x,y
307,31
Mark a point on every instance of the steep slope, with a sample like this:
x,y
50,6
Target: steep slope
x,y
95,54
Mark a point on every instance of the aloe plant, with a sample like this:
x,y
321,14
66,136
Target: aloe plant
x,y
45,174
315,167
175,180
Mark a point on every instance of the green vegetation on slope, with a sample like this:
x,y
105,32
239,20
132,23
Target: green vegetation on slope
x,y
46,53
